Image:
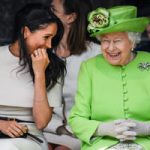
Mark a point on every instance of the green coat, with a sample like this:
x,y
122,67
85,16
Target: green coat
x,y
106,93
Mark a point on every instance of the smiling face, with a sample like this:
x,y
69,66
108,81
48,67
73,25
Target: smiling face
x,y
116,48
40,38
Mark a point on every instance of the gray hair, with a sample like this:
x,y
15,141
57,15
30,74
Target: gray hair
x,y
134,37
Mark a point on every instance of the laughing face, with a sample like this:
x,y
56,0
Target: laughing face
x,y
41,38
116,48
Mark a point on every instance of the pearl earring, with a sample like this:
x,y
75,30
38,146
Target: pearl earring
x,y
132,49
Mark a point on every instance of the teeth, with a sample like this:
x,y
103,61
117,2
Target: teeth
x,y
114,55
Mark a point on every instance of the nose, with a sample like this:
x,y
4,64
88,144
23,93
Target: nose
x,y
111,46
48,44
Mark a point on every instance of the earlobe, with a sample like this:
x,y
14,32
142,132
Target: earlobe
x,y
26,31
133,46
72,17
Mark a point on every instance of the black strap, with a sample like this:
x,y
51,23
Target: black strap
x,y
2,135
63,111
25,135
62,129
34,137
15,119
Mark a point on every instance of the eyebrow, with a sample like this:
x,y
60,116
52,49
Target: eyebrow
x,y
50,34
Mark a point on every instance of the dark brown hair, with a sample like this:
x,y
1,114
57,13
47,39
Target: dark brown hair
x,y
34,16
78,34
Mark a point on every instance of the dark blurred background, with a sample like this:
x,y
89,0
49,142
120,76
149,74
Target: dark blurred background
x,y
8,9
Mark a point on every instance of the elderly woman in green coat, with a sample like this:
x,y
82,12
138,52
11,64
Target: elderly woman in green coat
x,y
112,108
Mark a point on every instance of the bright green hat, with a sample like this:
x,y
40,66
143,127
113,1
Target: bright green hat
x,y
116,19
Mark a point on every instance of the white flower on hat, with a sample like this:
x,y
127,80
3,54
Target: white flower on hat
x,y
98,18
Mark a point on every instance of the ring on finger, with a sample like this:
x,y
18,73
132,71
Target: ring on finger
x,y
36,53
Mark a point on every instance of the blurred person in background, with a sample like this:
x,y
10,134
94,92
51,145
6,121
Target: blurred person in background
x,y
75,47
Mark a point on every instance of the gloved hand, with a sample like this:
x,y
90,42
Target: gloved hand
x,y
139,128
115,129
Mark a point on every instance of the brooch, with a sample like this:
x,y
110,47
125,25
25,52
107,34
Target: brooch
x,y
144,66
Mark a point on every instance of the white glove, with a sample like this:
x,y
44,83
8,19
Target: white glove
x,y
114,129
127,135
140,128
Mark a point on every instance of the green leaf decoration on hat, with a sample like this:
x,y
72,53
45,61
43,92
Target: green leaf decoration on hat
x,y
115,19
98,18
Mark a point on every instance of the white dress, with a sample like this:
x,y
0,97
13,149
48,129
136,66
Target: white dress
x,y
73,63
16,101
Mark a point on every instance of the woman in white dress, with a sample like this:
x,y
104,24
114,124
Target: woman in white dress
x,y
30,79
75,47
